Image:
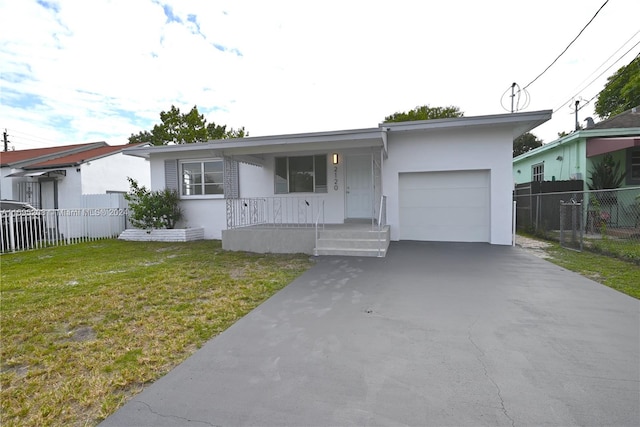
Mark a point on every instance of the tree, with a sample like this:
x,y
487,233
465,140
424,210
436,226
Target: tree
x,y
524,143
622,91
185,128
606,174
425,113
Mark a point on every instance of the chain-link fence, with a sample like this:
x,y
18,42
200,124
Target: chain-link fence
x,y
607,221
571,232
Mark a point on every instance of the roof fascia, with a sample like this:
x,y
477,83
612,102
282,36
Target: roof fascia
x,y
553,144
596,133
585,133
536,117
57,154
271,144
117,150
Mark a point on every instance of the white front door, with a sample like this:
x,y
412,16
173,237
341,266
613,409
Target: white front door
x,y
48,195
359,197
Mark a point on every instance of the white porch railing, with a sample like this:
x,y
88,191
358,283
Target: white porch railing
x,y
31,229
318,224
273,211
382,222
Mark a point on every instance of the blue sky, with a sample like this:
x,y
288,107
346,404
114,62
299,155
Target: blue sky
x,y
78,71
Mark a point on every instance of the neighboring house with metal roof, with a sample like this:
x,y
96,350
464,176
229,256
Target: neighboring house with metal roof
x,y
58,177
572,157
431,180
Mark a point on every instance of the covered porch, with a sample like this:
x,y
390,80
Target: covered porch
x,y
319,194
299,225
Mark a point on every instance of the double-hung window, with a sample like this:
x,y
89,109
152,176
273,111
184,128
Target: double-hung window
x,y
537,172
301,174
202,177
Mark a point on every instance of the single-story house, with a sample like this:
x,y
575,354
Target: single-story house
x,y
59,177
561,170
572,157
433,180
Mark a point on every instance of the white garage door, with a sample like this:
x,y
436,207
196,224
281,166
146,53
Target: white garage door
x,y
445,206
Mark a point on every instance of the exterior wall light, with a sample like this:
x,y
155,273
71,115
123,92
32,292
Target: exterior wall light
x,y
334,158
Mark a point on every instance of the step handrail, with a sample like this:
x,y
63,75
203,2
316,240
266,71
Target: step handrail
x,y
315,249
381,221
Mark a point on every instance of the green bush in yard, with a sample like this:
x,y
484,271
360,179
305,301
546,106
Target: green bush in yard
x,y
152,209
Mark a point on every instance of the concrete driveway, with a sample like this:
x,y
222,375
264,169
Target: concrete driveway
x,y
433,334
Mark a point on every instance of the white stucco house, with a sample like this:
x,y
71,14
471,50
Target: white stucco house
x,y
59,177
433,180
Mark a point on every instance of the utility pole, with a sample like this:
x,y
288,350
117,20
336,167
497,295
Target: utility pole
x,y
6,141
577,123
513,94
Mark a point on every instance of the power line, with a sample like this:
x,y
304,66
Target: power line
x,y
568,46
612,81
607,60
24,141
37,138
600,75
28,142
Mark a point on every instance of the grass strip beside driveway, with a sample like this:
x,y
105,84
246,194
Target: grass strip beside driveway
x,y
623,276
605,267
84,327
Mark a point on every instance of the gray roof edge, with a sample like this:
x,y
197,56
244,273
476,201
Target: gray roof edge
x,y
80,162
584,133
538,117
111,153
58,154
220,144
493,119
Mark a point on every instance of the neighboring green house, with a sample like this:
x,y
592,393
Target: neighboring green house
x,y
572,157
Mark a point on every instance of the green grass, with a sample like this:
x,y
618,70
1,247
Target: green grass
x,y
628,250
85,327
616,273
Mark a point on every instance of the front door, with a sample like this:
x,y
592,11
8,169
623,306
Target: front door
x,y
48,190
359,197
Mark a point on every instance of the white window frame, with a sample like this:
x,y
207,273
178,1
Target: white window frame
x,y
202,162
537,172
316,188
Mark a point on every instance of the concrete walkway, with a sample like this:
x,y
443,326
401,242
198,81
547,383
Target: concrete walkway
x,y
440,334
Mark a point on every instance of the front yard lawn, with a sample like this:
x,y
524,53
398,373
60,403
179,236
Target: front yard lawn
x,y
85,327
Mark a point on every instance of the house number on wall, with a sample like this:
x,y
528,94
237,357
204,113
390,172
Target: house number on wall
x,y
335,178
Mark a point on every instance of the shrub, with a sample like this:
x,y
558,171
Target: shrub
x,y
152,209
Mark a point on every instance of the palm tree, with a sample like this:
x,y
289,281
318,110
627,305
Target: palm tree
x,y
606,175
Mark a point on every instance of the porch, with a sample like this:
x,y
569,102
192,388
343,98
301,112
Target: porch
x,y
297,225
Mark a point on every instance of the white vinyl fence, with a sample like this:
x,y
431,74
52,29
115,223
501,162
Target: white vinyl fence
x,y
31,229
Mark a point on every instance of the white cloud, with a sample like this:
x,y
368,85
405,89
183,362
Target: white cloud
x,y
107,69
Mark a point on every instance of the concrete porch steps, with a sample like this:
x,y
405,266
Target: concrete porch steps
x,y
360,241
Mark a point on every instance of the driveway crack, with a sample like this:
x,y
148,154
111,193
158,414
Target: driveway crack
x,y
478,355
175,416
